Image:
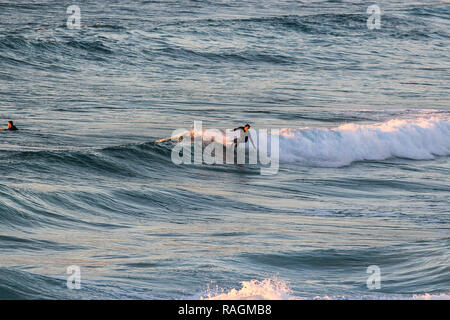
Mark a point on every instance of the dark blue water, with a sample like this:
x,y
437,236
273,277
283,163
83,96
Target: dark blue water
x,y
364,167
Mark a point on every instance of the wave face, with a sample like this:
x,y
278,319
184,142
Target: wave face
x,y
364,170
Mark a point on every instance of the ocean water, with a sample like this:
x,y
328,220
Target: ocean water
x,y
364,167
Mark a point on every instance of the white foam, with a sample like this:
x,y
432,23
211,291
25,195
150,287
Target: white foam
x,y
422,137
418,139
273,289
268,289
428,296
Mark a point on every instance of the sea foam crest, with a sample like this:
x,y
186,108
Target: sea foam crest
x,y
275,289
418,139
267,289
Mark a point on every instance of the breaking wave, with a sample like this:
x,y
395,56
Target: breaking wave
x,y
273,289
417,139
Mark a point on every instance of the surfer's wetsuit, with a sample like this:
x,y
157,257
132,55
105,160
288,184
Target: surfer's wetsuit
x,y
244,136
11,127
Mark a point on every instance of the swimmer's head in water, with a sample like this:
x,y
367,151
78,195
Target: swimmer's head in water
x,y
246,127
10,124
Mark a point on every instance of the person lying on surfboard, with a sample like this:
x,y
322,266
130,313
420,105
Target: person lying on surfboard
x,y
11,127
244,136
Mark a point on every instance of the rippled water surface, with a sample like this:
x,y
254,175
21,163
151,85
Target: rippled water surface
x,y
364,167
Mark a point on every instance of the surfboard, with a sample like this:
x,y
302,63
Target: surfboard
x,y
176,137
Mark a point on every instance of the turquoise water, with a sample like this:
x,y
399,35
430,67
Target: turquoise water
x,y
364,164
